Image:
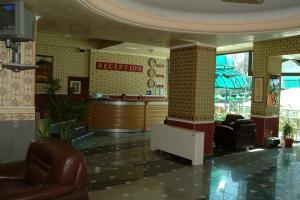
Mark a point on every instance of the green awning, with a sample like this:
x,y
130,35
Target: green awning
x,y
229,78
224,61
293,80
290,82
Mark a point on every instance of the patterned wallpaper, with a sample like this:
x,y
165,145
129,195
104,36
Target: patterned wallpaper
x,y
205,84
67,60
191,84
182,81
116,82
262,51
17,89
56,39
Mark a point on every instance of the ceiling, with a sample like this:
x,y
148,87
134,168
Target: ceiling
x,y
235,48
291,57
208,6
200,16
138,49
170,22
152,51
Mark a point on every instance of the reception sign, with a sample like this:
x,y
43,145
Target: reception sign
x,y
119,67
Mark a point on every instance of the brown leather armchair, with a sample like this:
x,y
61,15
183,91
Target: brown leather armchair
x,y
241,135
52,170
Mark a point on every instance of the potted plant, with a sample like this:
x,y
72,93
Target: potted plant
x,y
63,113
287,131
43,127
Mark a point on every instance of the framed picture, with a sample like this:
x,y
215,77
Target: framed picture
x,y
273,90
44,73
75,87
258,89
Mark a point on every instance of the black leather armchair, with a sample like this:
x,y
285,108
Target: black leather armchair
x,y
241,135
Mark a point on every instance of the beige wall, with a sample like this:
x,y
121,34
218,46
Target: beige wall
x,y
274,65
67,60
17,111
262,53
205,84
116,82
182,89
17,89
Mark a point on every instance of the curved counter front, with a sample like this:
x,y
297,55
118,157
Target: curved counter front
x,y
125,116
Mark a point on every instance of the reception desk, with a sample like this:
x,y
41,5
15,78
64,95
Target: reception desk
x,y
125,115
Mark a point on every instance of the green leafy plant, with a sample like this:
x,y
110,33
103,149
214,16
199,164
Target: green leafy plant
x,y
66,129
63,111
52,107
287,129
44,127
71,113
54,87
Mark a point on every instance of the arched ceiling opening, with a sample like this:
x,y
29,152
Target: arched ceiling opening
x,y
113,20
205,16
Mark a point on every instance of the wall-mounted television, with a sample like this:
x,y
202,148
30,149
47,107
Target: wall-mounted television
x,y
16,22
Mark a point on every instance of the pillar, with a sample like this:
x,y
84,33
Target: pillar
x,y
17,111
191,90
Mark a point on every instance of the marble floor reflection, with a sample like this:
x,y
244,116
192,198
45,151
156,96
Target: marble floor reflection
x,y
121,166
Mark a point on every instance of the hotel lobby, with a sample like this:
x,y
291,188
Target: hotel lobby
x,y
138,99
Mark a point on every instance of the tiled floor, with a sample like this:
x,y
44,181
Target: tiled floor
x,y
121,166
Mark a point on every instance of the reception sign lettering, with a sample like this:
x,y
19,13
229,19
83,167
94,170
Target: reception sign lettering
x,y
119,67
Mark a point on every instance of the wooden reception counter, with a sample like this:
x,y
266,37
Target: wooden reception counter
x,y
125,115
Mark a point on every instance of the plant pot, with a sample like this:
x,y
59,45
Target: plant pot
x,y
288,142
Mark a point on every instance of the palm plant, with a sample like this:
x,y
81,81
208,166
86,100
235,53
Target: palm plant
x,y
287,129
287,132
44,127
63,111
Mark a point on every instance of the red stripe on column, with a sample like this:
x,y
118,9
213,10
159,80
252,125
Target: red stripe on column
x,y
208,129
265,127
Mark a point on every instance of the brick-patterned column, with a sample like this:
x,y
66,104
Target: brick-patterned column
x,y
266,61
191,90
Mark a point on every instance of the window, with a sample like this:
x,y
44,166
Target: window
x,y
233,85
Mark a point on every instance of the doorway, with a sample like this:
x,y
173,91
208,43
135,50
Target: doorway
x,y
290,95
